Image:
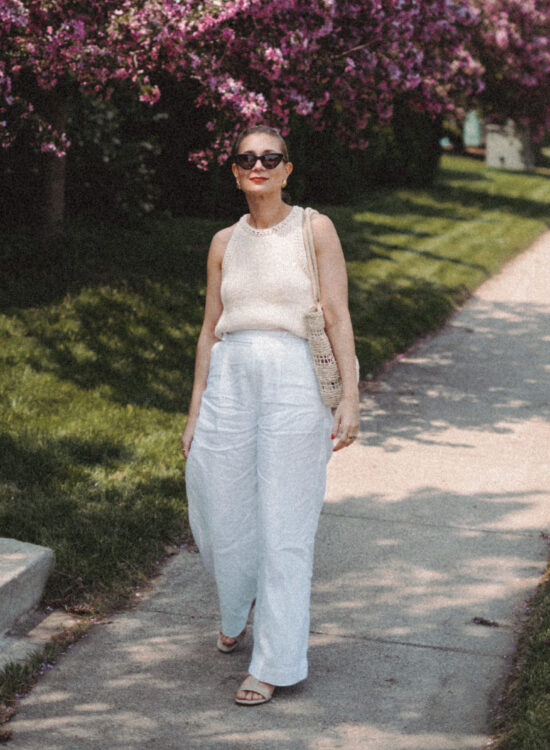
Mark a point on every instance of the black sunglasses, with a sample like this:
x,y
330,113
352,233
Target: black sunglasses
x,y
269,161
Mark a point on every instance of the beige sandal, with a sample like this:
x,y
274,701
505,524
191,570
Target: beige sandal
x,y
227,649
252,685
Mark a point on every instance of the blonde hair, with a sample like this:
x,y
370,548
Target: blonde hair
x,y
266,130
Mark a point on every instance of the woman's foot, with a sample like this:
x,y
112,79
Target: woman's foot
x,y
226,644
252,692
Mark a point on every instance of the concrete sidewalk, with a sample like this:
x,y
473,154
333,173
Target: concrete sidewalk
x,y
433,519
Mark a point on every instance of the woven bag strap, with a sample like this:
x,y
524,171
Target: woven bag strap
x,y
311,255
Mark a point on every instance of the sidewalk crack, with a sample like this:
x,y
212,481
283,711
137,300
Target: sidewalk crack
x,y
429,524
411,644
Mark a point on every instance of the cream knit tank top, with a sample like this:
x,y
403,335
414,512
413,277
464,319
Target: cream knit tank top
x,y
265,280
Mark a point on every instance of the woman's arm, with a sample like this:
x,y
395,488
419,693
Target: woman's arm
x,y
207,338
333,283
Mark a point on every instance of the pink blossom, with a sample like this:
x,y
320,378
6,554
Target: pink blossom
x,y
261,60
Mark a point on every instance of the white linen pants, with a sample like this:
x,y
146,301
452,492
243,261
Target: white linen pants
x,y
255,478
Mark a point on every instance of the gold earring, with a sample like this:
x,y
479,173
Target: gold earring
x,y
238,185
284,183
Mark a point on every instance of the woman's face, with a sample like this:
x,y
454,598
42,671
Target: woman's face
x,y
260,179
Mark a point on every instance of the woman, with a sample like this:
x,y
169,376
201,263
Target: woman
x,y
258,437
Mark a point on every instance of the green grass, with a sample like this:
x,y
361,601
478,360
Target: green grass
x,y
522,720
17,677
415,254
96,354
97,340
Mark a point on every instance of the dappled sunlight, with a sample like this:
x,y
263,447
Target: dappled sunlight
x,y
356,736
419,401
190,696
469,507
435,577
138,347
387,542
92,707
154,649
359,736
54,696
433,523
83,727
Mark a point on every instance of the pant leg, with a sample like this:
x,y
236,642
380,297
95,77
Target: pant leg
x,y
222,485
293,449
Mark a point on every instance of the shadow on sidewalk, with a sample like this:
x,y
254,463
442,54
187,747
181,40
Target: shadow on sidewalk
x,y
489,370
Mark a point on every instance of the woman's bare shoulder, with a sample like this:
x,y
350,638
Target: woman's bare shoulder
x,y
321,221
220,241
224,235
324,231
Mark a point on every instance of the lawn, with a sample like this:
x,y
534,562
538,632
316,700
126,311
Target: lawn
x,y
522,717
97,338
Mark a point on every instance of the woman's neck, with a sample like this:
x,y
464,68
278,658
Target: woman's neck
x,y
265,214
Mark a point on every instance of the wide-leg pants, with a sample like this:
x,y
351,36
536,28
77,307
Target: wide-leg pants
x,y
255,478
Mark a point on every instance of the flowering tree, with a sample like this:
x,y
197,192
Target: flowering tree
x,y
266,59
48,47
254,59
512,41
53,44
257,60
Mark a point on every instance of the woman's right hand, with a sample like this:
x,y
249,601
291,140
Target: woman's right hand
x,y
187,437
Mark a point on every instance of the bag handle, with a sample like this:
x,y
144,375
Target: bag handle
x,y
311,255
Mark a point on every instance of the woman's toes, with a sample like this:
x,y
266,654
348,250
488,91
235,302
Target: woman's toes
x,y
245,692
248,695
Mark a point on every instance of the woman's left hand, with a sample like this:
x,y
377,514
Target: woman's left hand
x,y
346,422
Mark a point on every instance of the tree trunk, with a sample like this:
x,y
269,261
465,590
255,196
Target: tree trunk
x,y
54,169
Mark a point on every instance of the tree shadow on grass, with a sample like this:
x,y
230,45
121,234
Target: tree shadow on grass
x,y
388,317
444,201
141,346
105,535
135,298
124,315
427,254
479,201
448,174
92,255
47,462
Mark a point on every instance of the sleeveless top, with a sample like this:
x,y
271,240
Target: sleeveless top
x,y
265,280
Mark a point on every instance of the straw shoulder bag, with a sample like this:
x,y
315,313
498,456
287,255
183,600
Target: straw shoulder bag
x,y
324,361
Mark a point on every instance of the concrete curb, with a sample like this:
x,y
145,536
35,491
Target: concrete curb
x,y
31,633
24,570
